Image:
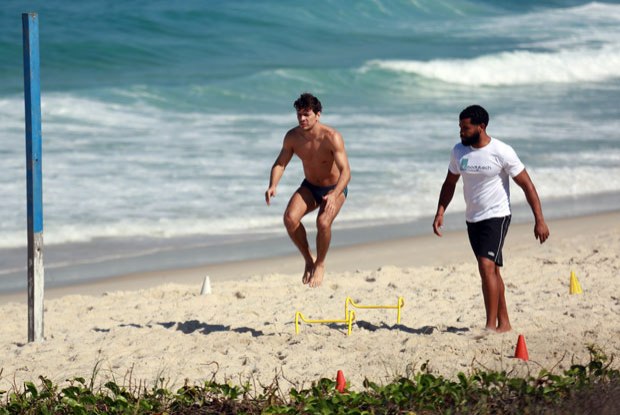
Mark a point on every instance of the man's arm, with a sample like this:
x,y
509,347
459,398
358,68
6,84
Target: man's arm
x,y
541,231
445,197
277,170
342,163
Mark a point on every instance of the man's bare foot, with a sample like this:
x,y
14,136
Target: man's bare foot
x,y
317,275
481,333
307,273
503,328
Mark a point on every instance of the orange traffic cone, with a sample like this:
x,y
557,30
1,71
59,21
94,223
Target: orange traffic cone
x,y
521,351
340,382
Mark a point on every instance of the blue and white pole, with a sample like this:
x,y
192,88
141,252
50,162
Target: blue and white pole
x,y
32,95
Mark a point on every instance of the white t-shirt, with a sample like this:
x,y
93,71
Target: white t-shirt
x,y
485,174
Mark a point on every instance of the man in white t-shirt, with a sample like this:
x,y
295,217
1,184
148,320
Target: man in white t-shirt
x,y
485,164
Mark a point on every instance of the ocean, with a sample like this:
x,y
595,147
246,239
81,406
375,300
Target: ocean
x,y
161,120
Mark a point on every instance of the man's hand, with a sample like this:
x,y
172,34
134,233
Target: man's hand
x,y
330,202
271,192
541,231
437,224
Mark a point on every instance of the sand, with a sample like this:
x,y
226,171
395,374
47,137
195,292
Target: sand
x,y
168,333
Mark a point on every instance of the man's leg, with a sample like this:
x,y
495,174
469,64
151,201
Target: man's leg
x,y
494,299
300,204
503,322
324,222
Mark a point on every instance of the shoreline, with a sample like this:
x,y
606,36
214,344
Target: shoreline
x,y
109,260
426,250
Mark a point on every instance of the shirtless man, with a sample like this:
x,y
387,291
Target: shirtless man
x,y
327,173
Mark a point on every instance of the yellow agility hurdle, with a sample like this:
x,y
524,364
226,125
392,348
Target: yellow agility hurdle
x,y
349,317
398,306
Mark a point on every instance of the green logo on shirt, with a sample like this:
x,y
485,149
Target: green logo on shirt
x,y
464,164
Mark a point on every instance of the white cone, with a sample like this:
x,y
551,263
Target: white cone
x,y
206,286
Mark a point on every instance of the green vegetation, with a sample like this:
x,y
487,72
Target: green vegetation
x,y
590,388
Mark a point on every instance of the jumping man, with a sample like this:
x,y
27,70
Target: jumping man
x,y
485,164
327,173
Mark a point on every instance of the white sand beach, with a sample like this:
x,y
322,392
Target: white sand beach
x,y
142,328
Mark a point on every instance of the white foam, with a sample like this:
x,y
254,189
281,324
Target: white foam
x,y
79,231
562,45
136,170
516,68
559,28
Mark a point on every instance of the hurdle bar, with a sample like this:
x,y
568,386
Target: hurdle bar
x,y
349,317
398,306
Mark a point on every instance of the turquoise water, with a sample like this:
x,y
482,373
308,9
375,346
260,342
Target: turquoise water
x,y
161,119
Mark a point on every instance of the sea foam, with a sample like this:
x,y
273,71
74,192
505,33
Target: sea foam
x,y
515,68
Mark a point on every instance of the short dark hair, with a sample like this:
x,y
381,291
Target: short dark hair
x,y
476,113
308,101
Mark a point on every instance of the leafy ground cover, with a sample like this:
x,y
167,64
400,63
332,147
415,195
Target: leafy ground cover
x,y
592,388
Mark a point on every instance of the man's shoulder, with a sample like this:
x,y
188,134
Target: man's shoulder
x,y
500,146
496,142
330,133
292,135
459,148
292,132
333,139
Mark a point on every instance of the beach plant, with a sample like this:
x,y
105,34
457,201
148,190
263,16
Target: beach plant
x,y
588,388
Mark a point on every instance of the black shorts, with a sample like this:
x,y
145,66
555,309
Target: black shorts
x,y
487,238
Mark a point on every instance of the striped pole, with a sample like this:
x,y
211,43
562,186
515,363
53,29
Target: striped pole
x,y
32,98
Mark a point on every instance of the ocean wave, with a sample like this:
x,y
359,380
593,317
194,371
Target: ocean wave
x,y
548,45
513,68
80,231
572,28
410,195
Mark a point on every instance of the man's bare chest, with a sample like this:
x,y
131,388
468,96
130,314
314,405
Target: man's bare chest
x,y
314,151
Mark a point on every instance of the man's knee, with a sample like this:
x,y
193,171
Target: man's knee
x,y
323,222
486,266
290,221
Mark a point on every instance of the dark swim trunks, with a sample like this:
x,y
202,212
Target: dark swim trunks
x,y
319,191
487,238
